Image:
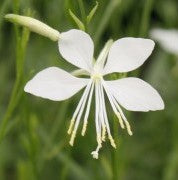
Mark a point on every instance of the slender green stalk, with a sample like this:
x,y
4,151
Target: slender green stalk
x,y
171,167
3,9
11,106
115,154
21,43
105,19
55,129
170,171
115,163
82,10
74,166
146,18
65,168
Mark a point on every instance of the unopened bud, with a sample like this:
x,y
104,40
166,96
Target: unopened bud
x,y
34,25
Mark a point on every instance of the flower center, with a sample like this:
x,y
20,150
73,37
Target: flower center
x,y
96,77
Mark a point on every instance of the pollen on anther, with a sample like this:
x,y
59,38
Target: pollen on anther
x,y
112,141
128,128
71,126
103,133
84,128
120,120
71,142
95,154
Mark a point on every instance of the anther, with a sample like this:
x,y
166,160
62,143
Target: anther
x,y
99,141
128,128
120,120
112,141
103,133
95,154
71,142
84,128
71,126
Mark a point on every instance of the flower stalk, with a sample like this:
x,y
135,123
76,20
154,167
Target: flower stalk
x,y
21,44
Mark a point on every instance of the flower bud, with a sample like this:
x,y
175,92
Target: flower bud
x,y
34,25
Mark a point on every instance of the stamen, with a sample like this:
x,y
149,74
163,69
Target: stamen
x,y
123,117
103,133
95,153
101,114
106,118
80,113
115,104
99,141
112,141
120,120
87,111
128,128
71,126
71,142
84,128
98,131
114,107
78,108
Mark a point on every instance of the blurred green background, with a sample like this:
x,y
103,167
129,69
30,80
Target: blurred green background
x,y
34,141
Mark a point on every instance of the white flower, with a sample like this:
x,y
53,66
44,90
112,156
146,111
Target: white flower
x,y
168,39
123,55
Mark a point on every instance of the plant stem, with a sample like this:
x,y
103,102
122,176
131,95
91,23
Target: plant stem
x,y
10,108
3,9
105,19
115,160
82,10
21,43
170,170
146,18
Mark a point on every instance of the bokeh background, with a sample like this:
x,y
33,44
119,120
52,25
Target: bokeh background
x,y
33,131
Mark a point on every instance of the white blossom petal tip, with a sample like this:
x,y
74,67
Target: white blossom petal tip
x,y
55,84
135,94
77,47
127,54
168,39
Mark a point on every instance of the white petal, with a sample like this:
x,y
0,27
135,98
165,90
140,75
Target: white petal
x,y
127,54
77,47
168,39
55,84
135,94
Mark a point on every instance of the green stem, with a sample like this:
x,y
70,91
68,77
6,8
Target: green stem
x,y
115,164
10,108
170,171
115,154
21,43
55,129
82,10
105,19
146,18
171,167
3,9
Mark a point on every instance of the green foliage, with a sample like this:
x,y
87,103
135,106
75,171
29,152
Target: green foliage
x,y
80,25
33,131
92,13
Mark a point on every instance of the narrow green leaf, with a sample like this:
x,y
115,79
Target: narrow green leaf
x,y
77,21
92,13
